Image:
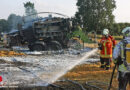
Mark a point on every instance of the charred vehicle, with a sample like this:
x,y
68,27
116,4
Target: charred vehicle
x,y
48,33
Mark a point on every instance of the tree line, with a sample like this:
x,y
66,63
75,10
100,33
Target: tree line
x,y
11,23
92,15
13,20
95,15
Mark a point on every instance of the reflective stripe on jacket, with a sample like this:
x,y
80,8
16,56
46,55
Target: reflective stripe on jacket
x,y
106,51
122,68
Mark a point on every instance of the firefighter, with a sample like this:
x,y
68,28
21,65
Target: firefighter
x,y
121,57
106,44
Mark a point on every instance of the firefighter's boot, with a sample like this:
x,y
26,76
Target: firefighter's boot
x,y
102,66
107,67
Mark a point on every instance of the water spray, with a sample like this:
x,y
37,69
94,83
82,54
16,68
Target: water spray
x,y
86,55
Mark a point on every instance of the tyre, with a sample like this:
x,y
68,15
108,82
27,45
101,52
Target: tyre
x,y
30,47
38,47
54,45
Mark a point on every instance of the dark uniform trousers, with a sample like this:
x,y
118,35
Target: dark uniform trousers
x,y
124,79
105,62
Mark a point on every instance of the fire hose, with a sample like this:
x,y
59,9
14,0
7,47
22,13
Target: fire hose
x,y
112,77
74,82
87,83
94,86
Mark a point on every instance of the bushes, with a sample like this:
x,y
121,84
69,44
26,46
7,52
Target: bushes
x,y
81,34
99,37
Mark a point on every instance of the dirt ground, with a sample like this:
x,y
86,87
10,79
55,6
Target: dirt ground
x,y
82,77
93,75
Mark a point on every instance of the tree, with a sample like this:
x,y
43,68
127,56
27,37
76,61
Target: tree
x,y
3,25
95,14
29,10
13,21
115,29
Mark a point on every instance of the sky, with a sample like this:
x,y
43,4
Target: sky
x,y
67,7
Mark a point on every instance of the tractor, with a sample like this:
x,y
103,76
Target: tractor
x,y
43,33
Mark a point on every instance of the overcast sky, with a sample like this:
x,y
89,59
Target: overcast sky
x,y
67,7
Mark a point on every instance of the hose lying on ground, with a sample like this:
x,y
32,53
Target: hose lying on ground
x,y
74,82
101,83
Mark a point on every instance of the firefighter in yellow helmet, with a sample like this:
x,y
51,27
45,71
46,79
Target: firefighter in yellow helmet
x,y
121,57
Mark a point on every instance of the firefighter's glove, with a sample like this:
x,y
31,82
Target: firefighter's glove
x,y
113,47
118,62
115,61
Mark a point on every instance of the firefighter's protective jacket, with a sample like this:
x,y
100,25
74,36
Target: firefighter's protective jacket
x,y
113,41
106,48
117,53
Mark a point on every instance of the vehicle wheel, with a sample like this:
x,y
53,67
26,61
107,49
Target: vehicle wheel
x,y
30,47
54,45
38,47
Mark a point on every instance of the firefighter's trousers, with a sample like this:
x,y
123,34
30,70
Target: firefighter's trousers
x,y
124,79
105,62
